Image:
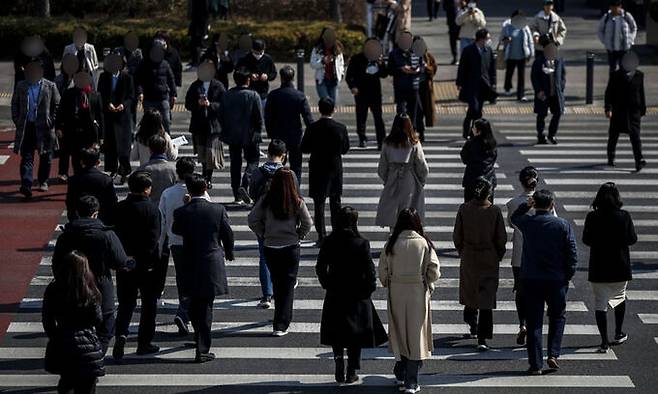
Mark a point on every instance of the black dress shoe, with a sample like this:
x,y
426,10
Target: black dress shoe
x,y
640,165
117,350
351,377
611,163
25,192
340,369
552,140
534,372
542,141
147,349
363,144
204,358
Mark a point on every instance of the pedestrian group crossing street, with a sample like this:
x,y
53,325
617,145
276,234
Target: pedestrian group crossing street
x,y
248,355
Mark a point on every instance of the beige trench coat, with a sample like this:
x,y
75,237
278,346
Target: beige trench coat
x,y
409,274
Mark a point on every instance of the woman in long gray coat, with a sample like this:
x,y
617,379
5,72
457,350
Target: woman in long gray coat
x,y
408,268
479,238
403,169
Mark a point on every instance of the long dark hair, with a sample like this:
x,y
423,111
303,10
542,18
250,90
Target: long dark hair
x,y
486,134
408,219
348,218
402,132
607,198
282,197
79,281
482,189
150,125
336,50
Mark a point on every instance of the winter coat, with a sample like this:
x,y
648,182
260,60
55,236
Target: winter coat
x,y
241,117
404,172
264,65
163,174
517,237
346,271
21,60
479,162
528,43
93,182
286,108
426,90
205,120
81,128
470,23
142,153
317,54
476,74
553,25
608,32
155,81
479,237
91,59
541,82
46,110
277,232
119,124
624,96
369,85
409,275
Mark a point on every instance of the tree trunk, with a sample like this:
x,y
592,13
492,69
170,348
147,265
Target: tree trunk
x,y
42,8
334,11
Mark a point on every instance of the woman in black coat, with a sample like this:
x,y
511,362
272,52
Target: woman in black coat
x,y
71,312
479,155
221,57
349,319
609,231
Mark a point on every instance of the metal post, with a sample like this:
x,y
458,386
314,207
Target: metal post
x,y
300,70
589,91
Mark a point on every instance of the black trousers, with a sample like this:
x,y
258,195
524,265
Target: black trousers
x,y
295,158
283,264
353,356
128,285
469,194
473,113
74,384
406,102
72,153
179,263
614,59
407,371
553,104
318,207
518,295
482,323
636,143
201,319
519,66
251,156
364,103
115,163
433,8
453,31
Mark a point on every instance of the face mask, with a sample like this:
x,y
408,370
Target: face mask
x,y
372,69
488,42
257,55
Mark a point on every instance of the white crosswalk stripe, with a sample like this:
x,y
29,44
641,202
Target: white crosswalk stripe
x,y
3,159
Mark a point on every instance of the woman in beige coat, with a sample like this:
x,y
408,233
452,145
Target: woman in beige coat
x,y
403,169
479,238
408,268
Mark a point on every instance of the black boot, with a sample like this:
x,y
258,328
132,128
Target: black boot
x,y
207,175
340,369
351,377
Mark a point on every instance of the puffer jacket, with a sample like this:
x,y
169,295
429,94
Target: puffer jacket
x,y
155,81
607,31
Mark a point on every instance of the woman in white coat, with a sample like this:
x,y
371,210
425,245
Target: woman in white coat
x,y
409,268
328,62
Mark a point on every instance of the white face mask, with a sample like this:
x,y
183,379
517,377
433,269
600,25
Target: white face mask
x,y
487,43
257,55
372,69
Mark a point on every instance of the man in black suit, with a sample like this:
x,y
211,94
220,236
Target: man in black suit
x,y
549,78
326,140
136,222
625,106
91,181
284,108
207,238
476,78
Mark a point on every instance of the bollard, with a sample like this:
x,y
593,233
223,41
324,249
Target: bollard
x,y
589,90
300,69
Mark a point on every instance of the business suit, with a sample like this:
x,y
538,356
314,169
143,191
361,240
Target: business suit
x,y
207,238
93,182
476,80
552,85
118,125
326,140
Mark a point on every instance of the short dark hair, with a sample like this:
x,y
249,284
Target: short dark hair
x,y
287,73
241,76
481,34
543,199
87,206
276,148
518,13
90,156
139,181
258,44
608,197
326,106
157,144
615,3
185,167
196,184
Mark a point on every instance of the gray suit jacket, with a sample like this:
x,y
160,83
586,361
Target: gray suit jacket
x,y
163,174
46,110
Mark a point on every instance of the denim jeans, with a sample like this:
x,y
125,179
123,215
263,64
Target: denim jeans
x,y
263,271
327,88
164,109
28,146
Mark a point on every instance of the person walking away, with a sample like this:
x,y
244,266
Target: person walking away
x,y
282,220
103,249
33,47
162,171
549,262
479,154
79,122
137,224
547,27
470,19
93,182
625,105
529,178
85,52
133,55
207,239
364,73
242,123
518,49
221,57
403,169
70,315
261,69
476,78
451,8
156,86
170,243
171,56
479,237
617,31
609,232
349,319
427,99
409,269
33,107
198,28
150,125
405,66
258,187
549,77
116,88
285,106
328,63
204,100
326,141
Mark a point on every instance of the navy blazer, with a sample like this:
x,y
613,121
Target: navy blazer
x,y
284,108
471,79
541,82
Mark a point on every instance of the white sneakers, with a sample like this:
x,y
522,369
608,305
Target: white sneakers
x,y
279,333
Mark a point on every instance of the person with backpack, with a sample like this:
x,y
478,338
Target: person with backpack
x,y
617,31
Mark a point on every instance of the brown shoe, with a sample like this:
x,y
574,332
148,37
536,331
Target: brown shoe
x,y
552,363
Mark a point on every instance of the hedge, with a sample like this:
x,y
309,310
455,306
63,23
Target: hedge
x,y
282,37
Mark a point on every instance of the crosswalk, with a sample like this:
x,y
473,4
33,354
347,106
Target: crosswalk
x,y
248,356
